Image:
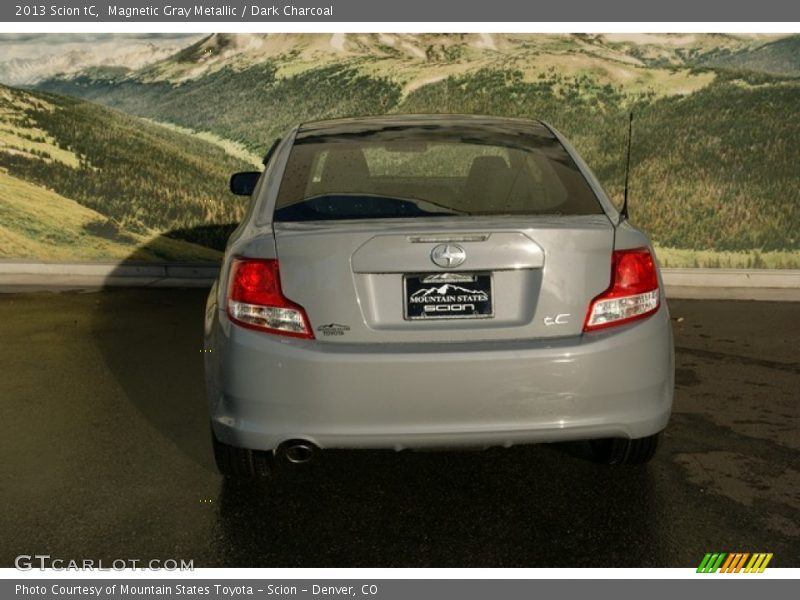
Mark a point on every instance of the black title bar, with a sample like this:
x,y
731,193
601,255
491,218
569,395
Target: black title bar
x,y
189,11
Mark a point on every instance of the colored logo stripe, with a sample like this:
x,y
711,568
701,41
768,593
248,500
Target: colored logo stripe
x,y
734,562
710,562
758,563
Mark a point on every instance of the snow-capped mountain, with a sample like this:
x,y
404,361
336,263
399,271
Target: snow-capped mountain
x,y
443,291
30,59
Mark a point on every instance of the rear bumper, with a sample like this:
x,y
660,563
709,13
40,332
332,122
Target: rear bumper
x,y
264,390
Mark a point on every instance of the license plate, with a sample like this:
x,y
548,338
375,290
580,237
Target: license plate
x,y
448,296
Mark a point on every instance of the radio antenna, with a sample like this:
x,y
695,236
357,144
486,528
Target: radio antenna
x,y
623,214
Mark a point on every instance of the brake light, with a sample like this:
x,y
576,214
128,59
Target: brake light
x,y
255,300
633,293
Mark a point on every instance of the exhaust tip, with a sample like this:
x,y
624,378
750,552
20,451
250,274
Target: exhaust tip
x,y
297,452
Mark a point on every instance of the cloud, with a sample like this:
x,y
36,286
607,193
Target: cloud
x,y
85,38
26,58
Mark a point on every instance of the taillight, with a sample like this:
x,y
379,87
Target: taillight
x,y
633,293
255,299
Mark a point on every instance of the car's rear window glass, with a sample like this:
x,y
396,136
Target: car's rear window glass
x,y
433,173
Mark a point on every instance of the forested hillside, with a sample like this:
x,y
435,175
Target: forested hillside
x,y
781,57
137,178
250,106
712,169
715,146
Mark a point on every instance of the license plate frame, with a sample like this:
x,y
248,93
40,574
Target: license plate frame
x,y
443,296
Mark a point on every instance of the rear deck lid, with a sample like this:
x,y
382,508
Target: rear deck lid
x,y
420,231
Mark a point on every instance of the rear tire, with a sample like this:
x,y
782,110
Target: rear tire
x,y
242,463
621,451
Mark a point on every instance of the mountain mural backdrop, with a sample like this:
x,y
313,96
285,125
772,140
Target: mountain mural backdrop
x,y
116,160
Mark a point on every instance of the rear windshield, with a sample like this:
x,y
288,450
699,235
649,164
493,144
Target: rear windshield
x,y
428,175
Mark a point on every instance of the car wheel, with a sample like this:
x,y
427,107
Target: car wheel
x,y
620,451
242,463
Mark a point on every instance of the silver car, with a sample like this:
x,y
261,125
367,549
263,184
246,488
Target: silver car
x,y
425,281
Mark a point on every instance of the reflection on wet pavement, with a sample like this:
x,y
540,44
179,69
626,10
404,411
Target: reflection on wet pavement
x,y
106,455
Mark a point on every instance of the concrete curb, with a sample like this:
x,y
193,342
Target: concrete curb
x,y
732,278
733,284
109,269
723,284
22,276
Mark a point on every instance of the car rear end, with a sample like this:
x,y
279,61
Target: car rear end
x,y
415,282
